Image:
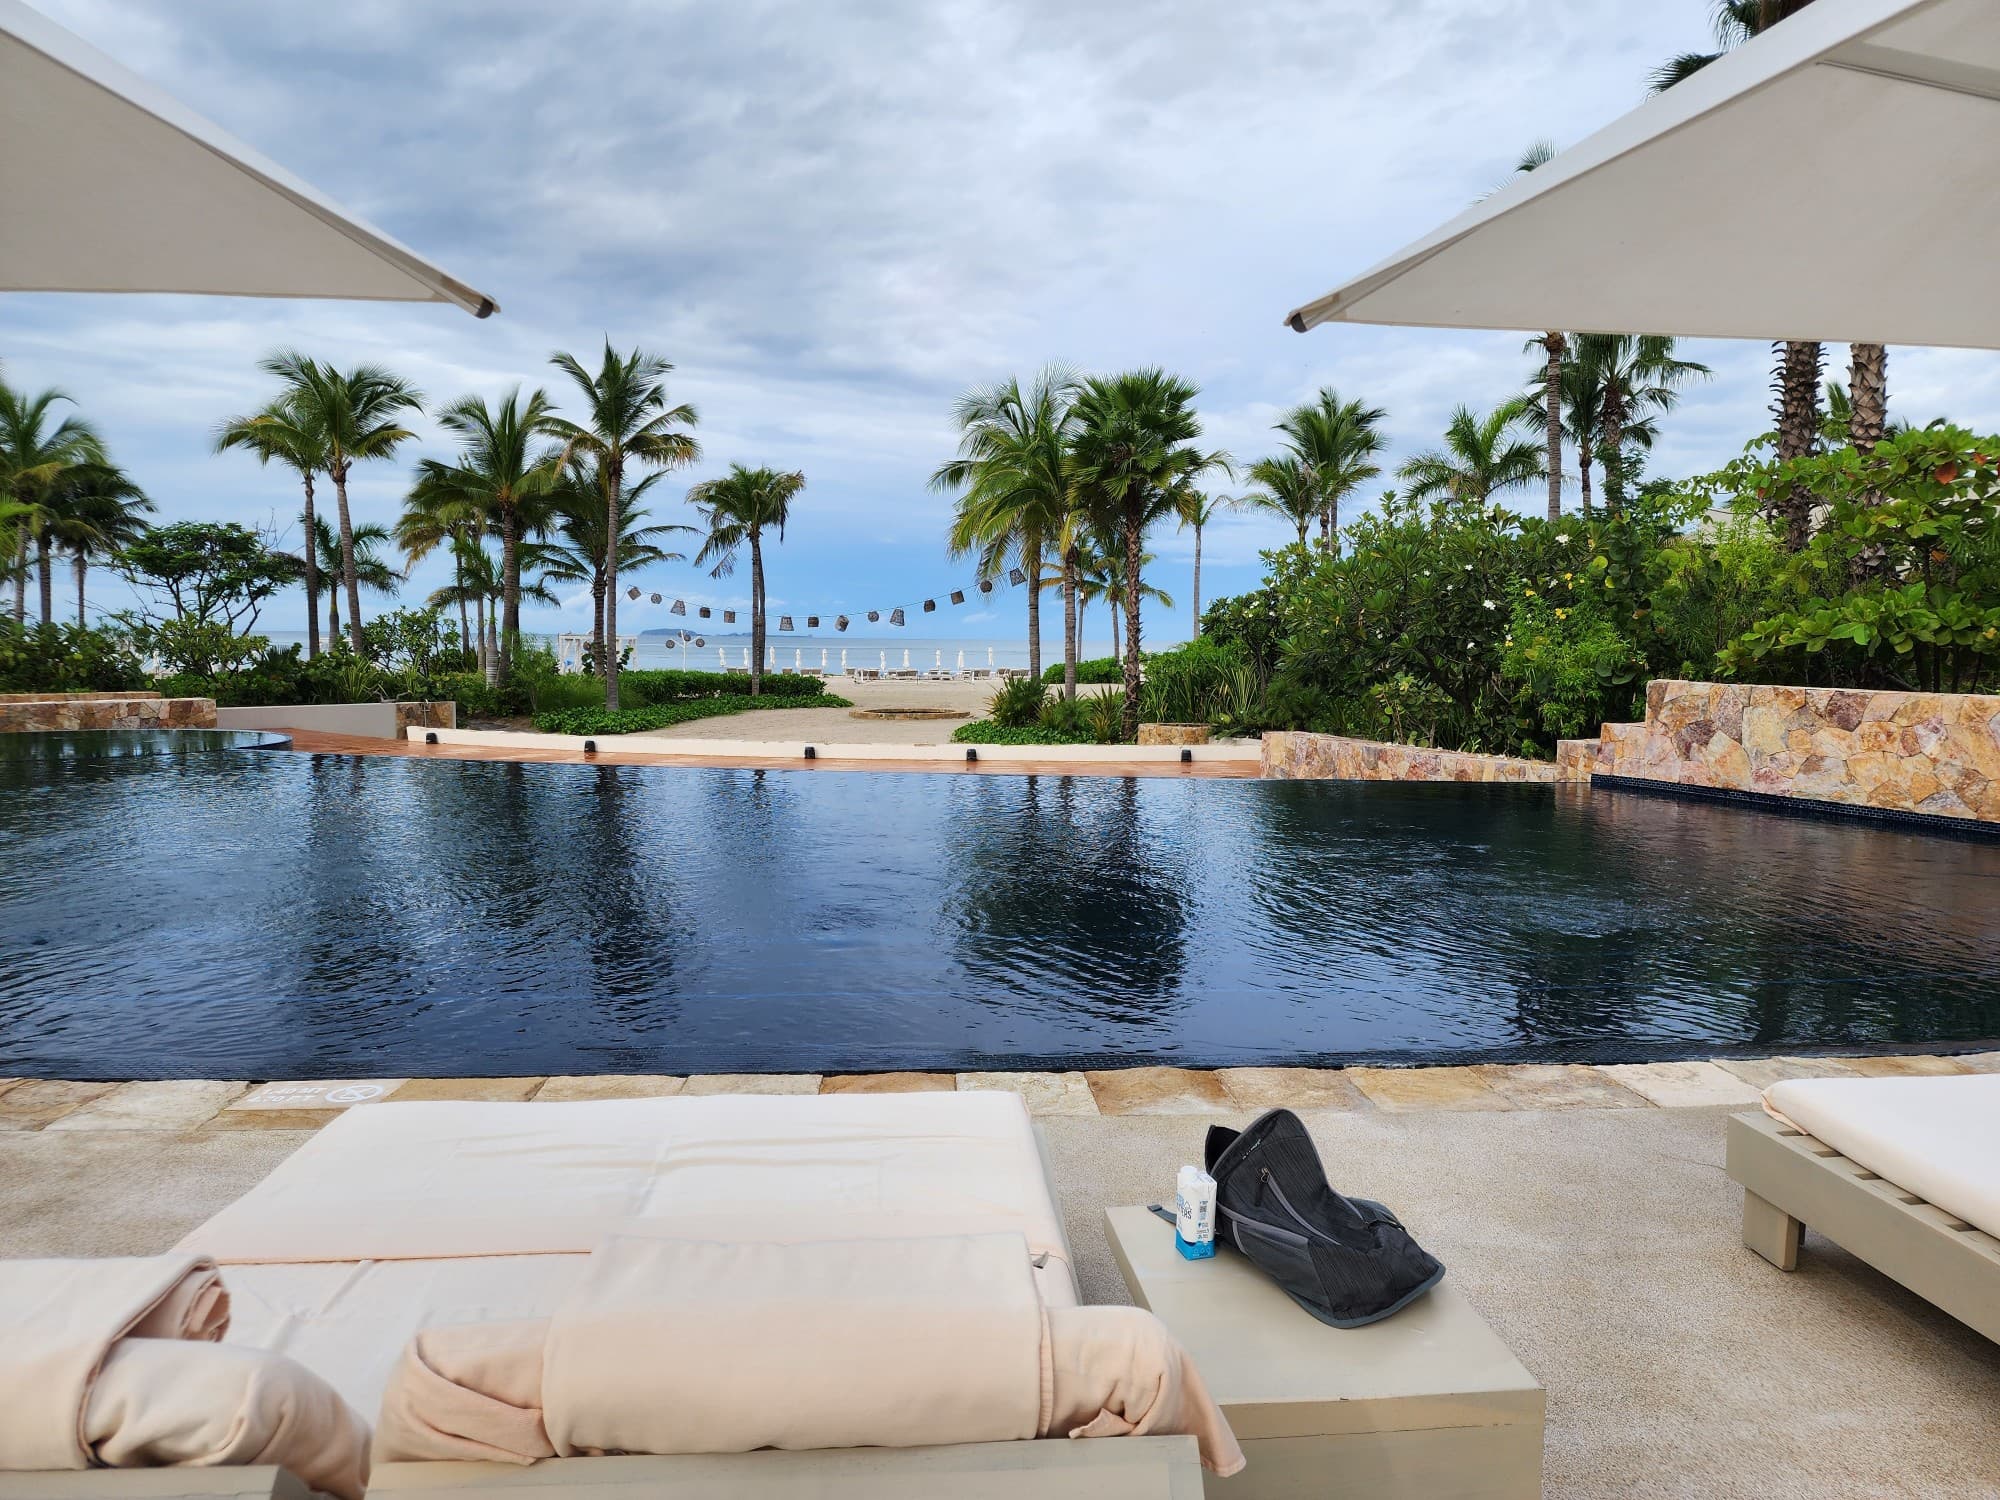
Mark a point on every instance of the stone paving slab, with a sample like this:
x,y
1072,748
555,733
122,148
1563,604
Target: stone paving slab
x,y
1401,1089
35,1102
1979,1062
176,1104
889,1083
1682,1085
492,1090
271,1119
1762,1072
319,1093
579,1088
1258,1089
753,1083
1159,1091
1904,1067
1045,1093
1558,1086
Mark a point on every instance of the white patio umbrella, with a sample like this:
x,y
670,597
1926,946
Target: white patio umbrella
x,y
112,186
798,658
939,663
770,657
961,663
885,661
989,656
822,659
843,661
906,658
1831,179
722,657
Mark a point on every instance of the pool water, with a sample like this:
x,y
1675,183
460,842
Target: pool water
x,y
275,915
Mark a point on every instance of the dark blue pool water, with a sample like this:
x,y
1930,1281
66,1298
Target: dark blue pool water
x,y
281,915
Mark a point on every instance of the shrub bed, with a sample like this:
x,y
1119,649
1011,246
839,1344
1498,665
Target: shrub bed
x,y
662,715
986,732
1097,671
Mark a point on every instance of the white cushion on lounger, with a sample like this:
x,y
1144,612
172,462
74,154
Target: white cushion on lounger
x,y
1937,1137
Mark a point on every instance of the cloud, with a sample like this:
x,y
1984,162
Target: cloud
x,y
833,219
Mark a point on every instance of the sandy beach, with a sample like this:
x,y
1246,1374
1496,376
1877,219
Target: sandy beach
x,y
837,726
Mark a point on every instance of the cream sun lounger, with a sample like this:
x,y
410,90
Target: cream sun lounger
x,y
1902,1172
402,1217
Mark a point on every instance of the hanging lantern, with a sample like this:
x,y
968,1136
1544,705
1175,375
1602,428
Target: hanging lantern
x,y
812,622
685,637
729,617
785,624
633,592
656,598
985,585
958,596
680,607
896,615
699,641
703,611
874,615
840,622
1015,578
930,606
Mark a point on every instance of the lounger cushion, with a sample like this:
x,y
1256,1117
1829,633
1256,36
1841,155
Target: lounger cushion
x,y
1932,1136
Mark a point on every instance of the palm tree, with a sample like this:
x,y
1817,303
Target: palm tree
x,y
1336,442
503,478
1579,408
737,509
1639,375
1135,460
283,431
626,421
1288,490
436,516
1480,458
357,415
1013,482
37,452
1197,511
95,511
1554,346
371,570
1800,362
1103,578
580,550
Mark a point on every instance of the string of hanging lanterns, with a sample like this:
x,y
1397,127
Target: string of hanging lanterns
x,y
897,614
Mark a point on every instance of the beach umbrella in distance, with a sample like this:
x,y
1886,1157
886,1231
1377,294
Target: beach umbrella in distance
x,y
843,661
770,658
989,656
798,658
822,658
961,663
906,658
885,662
722,657
940,659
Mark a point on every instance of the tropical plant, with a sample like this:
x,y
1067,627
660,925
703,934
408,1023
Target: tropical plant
x,y
356,416
626,422
283,431
1197,512
210,573
371,570
577,552
1335,443
1554,346
503,478
37,452
94,511
1639,376
1102,580
1285,488
1012,478
1016,704
1135,462
738,509
1481,458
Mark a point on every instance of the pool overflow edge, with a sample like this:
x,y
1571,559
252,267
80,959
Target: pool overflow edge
x,y
1968,829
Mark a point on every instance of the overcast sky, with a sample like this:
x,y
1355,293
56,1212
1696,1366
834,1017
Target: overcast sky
x,y
835,218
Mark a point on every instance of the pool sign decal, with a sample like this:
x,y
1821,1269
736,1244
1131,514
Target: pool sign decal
x,y
319,1093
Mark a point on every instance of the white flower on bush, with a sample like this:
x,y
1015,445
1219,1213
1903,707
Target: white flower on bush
x,y
1562,536
1489,604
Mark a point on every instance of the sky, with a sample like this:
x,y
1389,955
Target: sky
x,y
834,219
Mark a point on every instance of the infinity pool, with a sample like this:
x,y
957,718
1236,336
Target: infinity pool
x,y
277,915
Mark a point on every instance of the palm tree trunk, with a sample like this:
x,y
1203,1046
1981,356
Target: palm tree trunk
x,y
333,614
1612,445
82,566
465,641
1325,527
756,612
614,496
1072,621
1556,344
597,620
45,580
1800,365
1116,650
1031,560
510,589
479,634
1584,458
311,550
1132,585
350,584
21,574
1868,393
1196,633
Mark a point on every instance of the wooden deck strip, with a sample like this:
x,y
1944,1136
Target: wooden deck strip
x,y
315,742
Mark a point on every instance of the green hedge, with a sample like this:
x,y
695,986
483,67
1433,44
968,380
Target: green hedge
x,y
643,688
1097,671
986,732
661,715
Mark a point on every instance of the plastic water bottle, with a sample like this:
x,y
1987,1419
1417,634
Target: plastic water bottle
x,y
1194,1214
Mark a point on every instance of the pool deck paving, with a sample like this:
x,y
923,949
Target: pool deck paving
x,y
1584,1210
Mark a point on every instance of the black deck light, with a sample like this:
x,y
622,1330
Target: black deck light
x,y
430,738
811,754
970,753
1187,756
590,747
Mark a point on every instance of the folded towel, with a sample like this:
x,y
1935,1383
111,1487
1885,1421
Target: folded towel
x,y
171,1403
693,1347
59,1320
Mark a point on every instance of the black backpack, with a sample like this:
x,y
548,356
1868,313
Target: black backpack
x,y
1347,1261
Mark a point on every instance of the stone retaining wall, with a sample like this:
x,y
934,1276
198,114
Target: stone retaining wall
x,y
24,714
1332,757
1933,753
